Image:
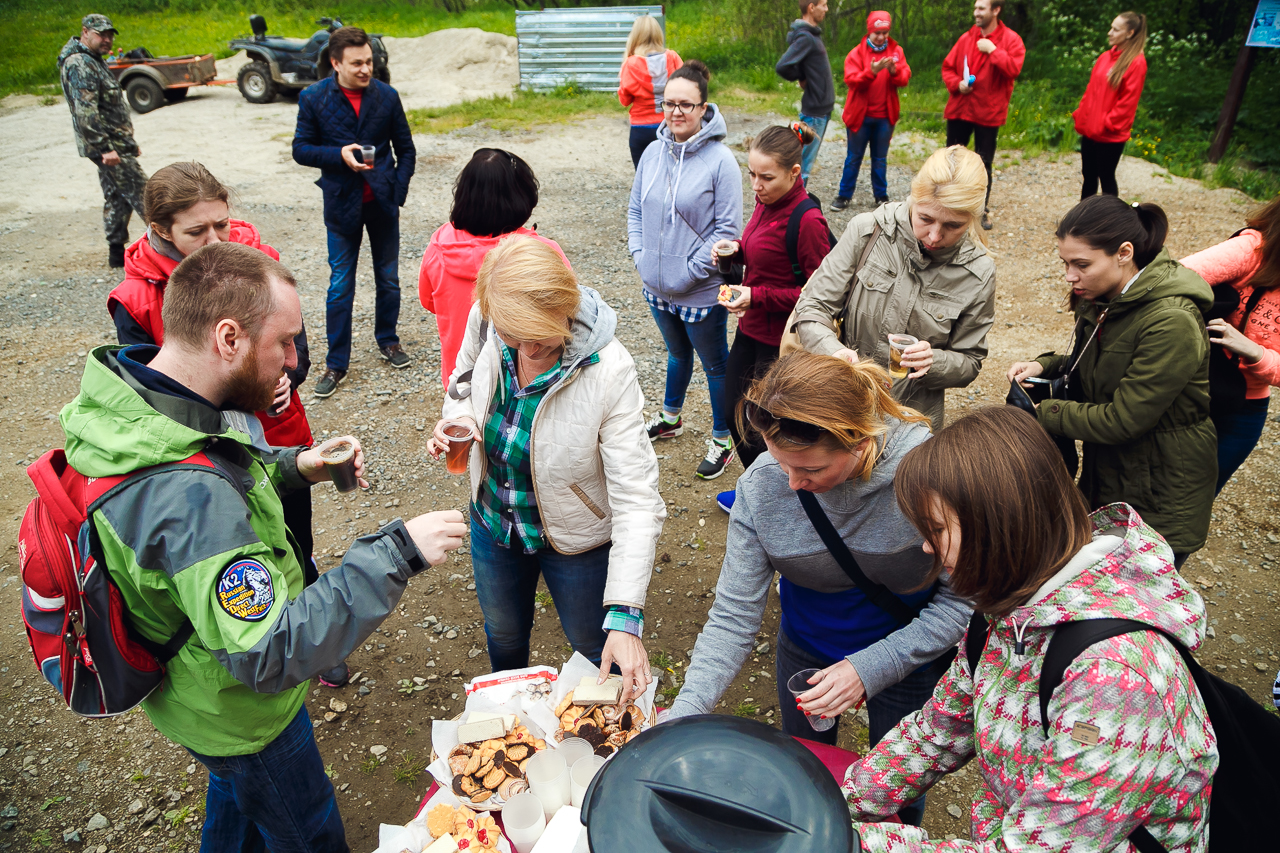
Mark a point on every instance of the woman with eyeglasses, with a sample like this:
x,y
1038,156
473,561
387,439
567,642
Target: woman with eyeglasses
x,y
834,437
687,196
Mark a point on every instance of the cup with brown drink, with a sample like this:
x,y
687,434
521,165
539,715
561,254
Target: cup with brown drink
x,y
898,344
460,435
340,459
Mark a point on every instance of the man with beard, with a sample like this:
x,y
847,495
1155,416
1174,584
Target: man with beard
x,y
198,546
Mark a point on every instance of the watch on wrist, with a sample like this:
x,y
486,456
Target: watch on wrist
x,y
399,534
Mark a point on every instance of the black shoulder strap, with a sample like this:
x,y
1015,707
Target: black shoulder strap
x,y
975,640
793,237
879,595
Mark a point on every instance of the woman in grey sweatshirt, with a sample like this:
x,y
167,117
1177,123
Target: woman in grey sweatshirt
x,y
687,197
833,430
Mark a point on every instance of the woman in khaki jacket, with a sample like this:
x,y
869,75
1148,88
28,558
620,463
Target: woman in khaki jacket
x,y
564,481
927,273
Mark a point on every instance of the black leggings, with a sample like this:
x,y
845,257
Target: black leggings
x,y
749,359
1098,162
984,143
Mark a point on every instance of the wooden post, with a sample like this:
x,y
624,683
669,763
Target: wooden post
x,y
1231,103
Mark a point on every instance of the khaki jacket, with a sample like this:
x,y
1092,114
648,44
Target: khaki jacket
x,y
947,300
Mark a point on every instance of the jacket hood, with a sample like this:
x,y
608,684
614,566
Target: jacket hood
x,y
894,219
900,437
1164,278
142,260
800,28
74,46
1125,573
713,129
452,248
112,430
593,326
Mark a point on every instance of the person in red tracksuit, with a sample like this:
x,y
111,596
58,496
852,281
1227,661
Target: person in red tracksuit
x,y
187,207
770,287
874,71
979,73
1110,102
643,79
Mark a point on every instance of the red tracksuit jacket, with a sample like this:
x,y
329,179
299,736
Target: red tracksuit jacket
x,y
1106,114
866,88
988,103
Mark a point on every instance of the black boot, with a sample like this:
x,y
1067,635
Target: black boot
x,y
116,255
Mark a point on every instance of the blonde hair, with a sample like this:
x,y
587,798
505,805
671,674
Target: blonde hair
x,y
646,37
955,178
849,401
525,290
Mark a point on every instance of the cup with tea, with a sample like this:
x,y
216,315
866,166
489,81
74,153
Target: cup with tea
x,y
340,459
460,435
724,256
897,346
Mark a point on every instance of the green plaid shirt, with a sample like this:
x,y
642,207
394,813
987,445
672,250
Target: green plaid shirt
x,y
506,503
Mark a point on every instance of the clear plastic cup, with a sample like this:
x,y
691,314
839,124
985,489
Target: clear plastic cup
x,y
523,821
366,153
573,749
897,344
580,776
458,453
799,683
548,776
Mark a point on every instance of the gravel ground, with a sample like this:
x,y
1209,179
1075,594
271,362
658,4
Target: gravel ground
x,y
117,785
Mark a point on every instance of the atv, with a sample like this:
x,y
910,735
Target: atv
x,y
277,63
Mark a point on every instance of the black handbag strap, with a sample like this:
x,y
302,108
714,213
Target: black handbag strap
x,y
877,594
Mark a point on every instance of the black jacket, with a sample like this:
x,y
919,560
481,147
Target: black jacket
x,y
806,59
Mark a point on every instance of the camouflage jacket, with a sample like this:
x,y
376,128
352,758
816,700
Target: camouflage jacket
x,y
99,111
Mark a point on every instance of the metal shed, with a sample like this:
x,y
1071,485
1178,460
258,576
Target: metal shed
x,y
583,46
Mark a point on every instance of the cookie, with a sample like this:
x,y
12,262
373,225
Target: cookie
x,y
440,820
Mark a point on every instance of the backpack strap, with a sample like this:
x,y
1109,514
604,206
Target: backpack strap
x,y
975,640
793,237
465,376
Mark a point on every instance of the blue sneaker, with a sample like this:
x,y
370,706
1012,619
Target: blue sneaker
x,y
725,500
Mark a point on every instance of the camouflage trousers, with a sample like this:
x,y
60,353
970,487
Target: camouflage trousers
x,y
121,193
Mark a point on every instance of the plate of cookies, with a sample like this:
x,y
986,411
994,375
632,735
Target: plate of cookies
x,y
458,828
481,758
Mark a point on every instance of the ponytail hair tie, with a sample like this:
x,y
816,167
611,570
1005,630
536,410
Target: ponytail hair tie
x,y
1135,205
796,129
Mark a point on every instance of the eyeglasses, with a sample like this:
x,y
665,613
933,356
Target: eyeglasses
x,y
794,431
679,109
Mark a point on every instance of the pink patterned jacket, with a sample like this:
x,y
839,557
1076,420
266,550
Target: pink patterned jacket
x,y
1155,754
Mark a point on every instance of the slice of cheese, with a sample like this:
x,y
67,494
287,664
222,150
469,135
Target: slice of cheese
x,y
443,844
590,693
474,732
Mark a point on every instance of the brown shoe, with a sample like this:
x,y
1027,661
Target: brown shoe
x,y
397,356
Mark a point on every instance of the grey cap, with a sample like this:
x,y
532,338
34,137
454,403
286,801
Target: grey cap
x,y
98,23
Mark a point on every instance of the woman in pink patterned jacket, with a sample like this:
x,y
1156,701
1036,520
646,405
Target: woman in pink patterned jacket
x,y
1129,741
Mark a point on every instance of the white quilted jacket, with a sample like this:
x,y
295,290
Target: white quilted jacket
x,y
595,475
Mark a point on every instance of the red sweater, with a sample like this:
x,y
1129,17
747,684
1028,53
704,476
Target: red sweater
x,y
768,269
355,96
1106,114
988,103
635,86
873,94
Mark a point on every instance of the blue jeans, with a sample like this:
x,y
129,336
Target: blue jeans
x,y
809,155
877,132
506,580
884,710
278,799
1238,434
641,137
344,252
710,338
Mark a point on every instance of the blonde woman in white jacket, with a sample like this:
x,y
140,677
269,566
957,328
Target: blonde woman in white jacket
x,y
564,481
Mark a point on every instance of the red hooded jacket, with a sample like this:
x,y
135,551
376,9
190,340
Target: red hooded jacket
x,y
988,103
873,90
447,281
141,294
1106,114
636,83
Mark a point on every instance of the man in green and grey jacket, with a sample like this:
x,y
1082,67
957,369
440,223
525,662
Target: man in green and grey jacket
x,y
209,546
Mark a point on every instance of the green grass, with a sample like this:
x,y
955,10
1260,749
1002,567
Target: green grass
x,y
409,769
747,709
520,111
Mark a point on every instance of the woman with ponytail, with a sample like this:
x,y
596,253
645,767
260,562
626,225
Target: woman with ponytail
x,y
1105,115
835,437
1138,372
771,284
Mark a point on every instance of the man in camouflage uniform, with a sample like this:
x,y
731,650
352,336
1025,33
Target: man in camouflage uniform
x,y
104,132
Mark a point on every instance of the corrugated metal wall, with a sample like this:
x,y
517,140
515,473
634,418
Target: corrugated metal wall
x,y
583,46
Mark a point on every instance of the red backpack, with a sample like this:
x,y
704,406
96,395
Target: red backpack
x,y
75,617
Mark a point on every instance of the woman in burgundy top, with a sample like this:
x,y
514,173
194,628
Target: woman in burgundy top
x,y
770,286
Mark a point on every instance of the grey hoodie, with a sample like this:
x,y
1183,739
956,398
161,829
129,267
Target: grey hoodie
x,y
806,59
686,197
768,532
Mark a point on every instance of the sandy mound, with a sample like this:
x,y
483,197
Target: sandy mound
x,y
228,68
450,66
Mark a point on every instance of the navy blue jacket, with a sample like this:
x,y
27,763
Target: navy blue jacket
x,y
327,122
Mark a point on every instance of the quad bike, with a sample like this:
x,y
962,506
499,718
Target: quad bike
x,y
277,63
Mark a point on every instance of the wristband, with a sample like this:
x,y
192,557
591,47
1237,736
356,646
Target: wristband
x,y
397,533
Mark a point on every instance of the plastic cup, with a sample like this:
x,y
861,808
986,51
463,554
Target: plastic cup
x,y
897,344
460,436
799,683
367,152
341,462
574,749
548,776
724,260
580,776
523,821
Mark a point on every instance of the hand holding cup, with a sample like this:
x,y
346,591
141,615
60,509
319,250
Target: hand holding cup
x,y
316,464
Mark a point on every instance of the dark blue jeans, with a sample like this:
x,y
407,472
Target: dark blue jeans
x,y
506,580
344,252
278,799
884,710
641,136
710,339
877,132
1238,434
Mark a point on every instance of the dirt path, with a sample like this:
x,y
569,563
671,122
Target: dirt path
x,y
53,284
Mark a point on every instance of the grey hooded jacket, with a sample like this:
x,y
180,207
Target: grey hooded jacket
x,y
806,59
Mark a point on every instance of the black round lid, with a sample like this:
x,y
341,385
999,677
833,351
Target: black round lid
x,y
715,784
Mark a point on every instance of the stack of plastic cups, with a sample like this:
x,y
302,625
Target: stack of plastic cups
x,y
548,776
580,776
523,821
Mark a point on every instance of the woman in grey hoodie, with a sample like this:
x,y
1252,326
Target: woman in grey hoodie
x,y
687,197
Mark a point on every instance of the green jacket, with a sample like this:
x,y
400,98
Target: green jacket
x,y
1144,419
186,544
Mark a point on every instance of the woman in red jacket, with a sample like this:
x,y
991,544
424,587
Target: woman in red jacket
x,y
874,71
643,79
494,196
771,284
1105,115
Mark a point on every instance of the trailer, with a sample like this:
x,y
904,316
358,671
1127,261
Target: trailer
x,y
151,81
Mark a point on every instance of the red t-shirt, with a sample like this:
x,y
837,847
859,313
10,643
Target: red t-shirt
x,y
355,96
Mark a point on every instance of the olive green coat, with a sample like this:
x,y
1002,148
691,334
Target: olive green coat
x,y
1144,419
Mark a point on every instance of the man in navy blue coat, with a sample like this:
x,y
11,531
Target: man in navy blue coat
x,y
336,117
